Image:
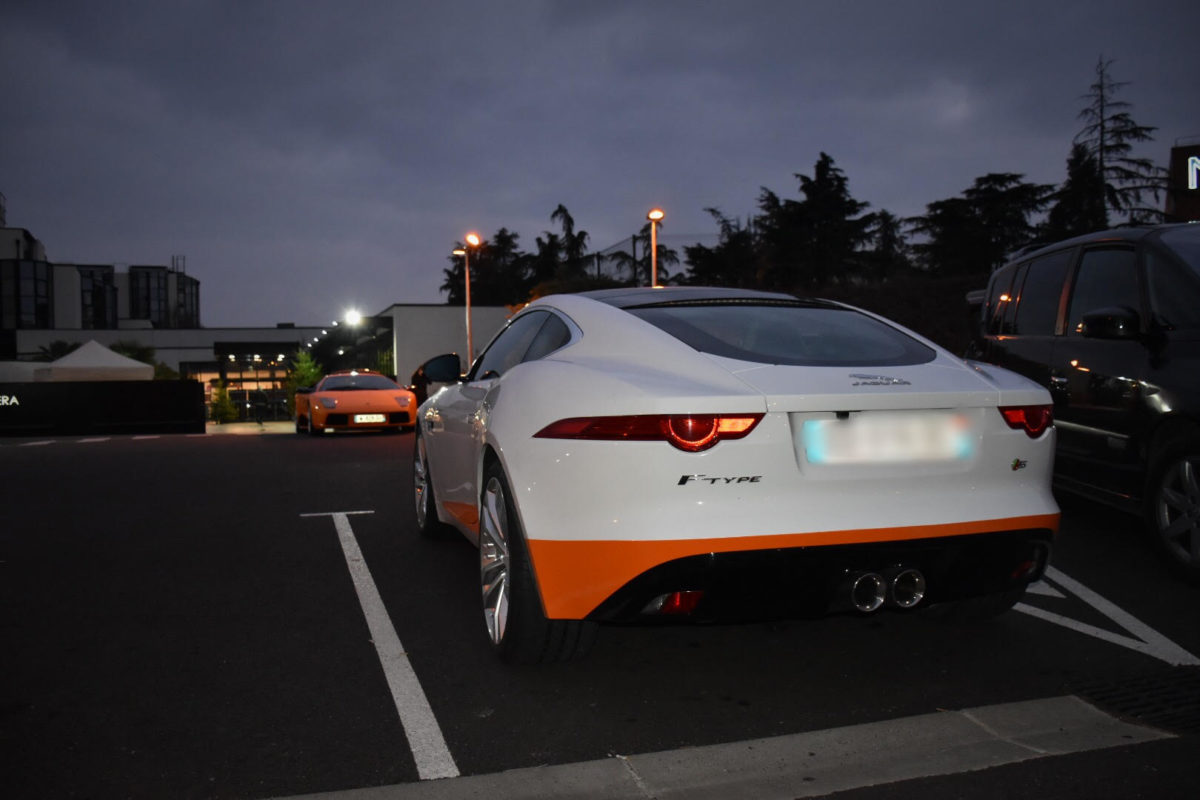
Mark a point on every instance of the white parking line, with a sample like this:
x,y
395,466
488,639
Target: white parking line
x,y
425,738
36,444
1144,639
94,439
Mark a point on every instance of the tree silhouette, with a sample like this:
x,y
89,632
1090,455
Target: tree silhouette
x,y
832,228
888,254
639,267
56,350
574,245
1108,133
733,262
498,272
1079,202
975,233
810,243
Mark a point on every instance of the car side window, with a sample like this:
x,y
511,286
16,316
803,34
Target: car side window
x,y
1008,310
509,348
1106,278
1037,313
553,335
999,298
1174,292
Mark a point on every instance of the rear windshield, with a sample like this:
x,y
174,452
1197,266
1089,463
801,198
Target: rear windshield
x,y
349,383
797,334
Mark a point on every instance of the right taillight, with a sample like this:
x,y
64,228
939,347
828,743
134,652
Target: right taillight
x,y
1032,419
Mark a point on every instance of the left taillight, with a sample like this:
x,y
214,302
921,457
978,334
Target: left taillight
x,y
1034,420
688,432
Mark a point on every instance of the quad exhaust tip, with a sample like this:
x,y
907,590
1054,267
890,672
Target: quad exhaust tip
x,y
868,592
907,588
900,587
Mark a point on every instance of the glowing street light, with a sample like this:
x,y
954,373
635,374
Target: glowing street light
x,y
473,240
353,317
655,216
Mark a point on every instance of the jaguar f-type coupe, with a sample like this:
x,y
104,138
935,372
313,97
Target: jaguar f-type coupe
x,y
715,454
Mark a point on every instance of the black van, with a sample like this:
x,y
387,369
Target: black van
x,y
1110,324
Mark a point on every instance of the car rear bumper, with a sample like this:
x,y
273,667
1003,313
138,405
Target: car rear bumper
x,y
786,576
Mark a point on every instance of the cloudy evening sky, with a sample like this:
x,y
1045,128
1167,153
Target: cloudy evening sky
x,y
306,157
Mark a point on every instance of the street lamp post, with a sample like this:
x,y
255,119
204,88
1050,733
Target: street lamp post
x,y
655,216
472,241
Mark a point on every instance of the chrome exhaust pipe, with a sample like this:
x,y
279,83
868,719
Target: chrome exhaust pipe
x,y
907,588
868,591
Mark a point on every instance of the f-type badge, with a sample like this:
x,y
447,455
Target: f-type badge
x,y
877,380
684,480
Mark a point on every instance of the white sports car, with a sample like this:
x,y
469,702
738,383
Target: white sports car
x,y
702,454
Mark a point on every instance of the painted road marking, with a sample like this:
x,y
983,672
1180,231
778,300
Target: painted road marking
x,y
425,738
1143,638
94,439
36,444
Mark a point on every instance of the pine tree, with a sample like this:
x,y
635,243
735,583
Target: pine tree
x,y
1108,133
1079,203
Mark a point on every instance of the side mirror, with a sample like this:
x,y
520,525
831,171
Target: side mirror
x,y
1116,322
441,369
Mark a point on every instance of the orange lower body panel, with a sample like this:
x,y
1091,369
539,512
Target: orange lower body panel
x,y
574,577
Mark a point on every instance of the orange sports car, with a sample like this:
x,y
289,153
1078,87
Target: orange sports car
x,y
354,400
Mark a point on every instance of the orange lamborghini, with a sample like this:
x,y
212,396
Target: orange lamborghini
x,y
354,400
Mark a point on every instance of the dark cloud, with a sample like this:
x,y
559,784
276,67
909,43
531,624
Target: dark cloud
x,y
305,157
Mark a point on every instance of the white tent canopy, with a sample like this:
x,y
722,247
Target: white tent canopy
x,y
94,362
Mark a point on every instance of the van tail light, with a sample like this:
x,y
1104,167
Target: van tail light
x,y
688,432
1034,420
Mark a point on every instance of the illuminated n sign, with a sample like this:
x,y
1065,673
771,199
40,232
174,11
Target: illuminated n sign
x,y
1193,172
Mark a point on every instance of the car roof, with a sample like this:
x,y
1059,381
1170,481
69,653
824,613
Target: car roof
x,y
1133,233
633,297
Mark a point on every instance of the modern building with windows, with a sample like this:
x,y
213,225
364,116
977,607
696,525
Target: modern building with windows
x,y
44,305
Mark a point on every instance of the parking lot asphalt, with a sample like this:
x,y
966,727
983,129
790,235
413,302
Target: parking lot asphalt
x,y
811,764
249,428
168,655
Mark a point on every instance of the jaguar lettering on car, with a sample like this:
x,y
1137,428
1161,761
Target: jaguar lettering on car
x,y
878,380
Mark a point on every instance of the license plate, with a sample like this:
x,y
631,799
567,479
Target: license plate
x,y
367,418
878,437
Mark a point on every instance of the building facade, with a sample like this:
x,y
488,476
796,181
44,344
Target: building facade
x,y
44,305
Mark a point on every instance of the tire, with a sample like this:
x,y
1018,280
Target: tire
x,y
299,424
512,610
1173,507
311,430
428,523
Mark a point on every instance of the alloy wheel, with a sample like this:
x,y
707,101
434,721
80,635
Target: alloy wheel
x,y
1177,511
494,560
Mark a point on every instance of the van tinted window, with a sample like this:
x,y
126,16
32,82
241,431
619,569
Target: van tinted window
x,y
1037,314
1174,291
1106,278
999,298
